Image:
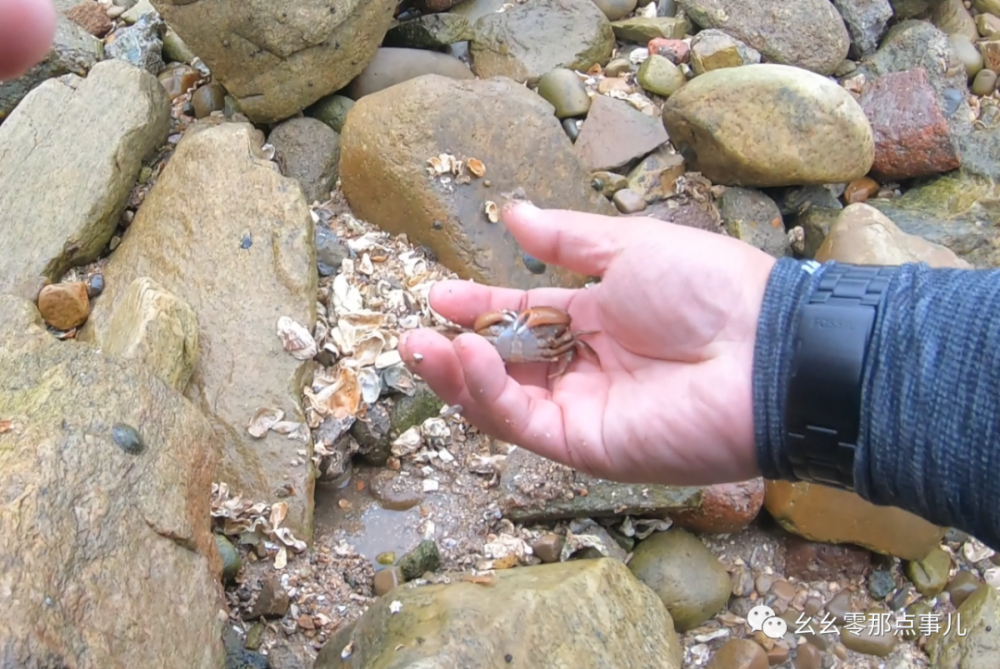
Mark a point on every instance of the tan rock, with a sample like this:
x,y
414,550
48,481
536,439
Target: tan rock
x,y
275,60
768,125
188,237
64,306
389,136
106,554
63,138
825,514
155,327
863,235
615,621
529,39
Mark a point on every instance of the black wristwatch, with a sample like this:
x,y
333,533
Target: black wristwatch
x,y
823,406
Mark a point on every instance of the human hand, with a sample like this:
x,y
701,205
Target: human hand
x,y
27,28
671,401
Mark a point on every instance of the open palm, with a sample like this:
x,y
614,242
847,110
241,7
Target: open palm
x,y
676,313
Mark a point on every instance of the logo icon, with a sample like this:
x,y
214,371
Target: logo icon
x,y
762,619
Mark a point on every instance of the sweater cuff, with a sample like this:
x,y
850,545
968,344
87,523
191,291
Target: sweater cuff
x,y
788,289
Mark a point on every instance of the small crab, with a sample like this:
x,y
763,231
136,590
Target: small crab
x,y
537,334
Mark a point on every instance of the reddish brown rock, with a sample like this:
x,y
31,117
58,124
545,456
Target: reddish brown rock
x,y
912,138
616,133
64,306
91,16
811,561
725,508
860,190
675,50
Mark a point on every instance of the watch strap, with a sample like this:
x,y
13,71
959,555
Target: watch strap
x,y
823,405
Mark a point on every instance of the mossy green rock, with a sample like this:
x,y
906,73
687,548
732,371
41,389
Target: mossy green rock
x,y
987,6
564,90
685,575
816,223
527,41
950,210
961,586
658,75
332,110
973,642
424,558
430,31
410,410
231,561
930,575
585,614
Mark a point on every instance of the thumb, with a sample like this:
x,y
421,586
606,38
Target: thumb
x,y
580,242
27,28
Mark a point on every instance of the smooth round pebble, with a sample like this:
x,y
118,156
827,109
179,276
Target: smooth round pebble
x,y
565,91
616,9
534,265
967,53
127,438
628,201
207,99
984,83
572,128
332,110
618,67
95,285
658,75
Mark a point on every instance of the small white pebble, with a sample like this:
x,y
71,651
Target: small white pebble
x,y
417,357
430,485
396,606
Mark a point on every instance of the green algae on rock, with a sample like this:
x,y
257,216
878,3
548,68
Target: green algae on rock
x,y
601,615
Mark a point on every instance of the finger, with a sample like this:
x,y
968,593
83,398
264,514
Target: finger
x,y
581,242
463,301
433,357
530,420
27,28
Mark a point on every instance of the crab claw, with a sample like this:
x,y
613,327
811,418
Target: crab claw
x,y
491,318
536,316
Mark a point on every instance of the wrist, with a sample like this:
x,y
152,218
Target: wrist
x,y
824,395
789,286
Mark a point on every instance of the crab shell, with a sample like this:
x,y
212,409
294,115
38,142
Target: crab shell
x,y
540,334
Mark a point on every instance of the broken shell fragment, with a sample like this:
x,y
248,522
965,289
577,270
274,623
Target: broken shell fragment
x,y
492,211
436,431
399,378
476,167
296,339
263,420
406,443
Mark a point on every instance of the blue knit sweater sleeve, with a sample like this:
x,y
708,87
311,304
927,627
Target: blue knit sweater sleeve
x,y
930,414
